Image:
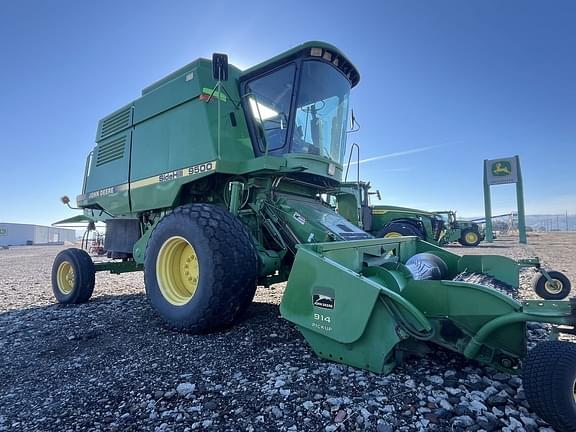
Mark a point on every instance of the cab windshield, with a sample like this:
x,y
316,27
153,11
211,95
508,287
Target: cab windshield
x,y
321,112
448,217
310,119
444,217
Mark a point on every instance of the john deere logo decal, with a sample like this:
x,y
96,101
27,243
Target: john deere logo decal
x,y
323,297
323,301
501,168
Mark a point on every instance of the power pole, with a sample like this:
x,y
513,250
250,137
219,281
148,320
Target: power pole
x,y
487,205
520,204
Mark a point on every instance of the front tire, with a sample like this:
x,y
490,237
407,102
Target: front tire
x,y
549,382
470,238
200,268
556,289
73,276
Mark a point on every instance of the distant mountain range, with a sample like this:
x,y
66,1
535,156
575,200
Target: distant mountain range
x,y
554,222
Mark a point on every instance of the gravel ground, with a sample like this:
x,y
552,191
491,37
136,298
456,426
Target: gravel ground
x,y
111,364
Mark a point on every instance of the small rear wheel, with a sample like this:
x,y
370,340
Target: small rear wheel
x,y
399,229
550,383
469,238
557,288
73,276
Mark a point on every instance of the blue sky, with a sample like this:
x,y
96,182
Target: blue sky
x,y
444,85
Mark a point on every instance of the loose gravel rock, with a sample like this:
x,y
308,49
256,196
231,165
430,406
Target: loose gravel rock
x,y
111,364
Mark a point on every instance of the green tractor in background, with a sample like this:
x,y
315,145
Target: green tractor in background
x,y
211,183
465,232
435,227
382,221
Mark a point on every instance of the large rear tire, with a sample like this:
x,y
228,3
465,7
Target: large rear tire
x,y
399,229
73,276
200,268
549,382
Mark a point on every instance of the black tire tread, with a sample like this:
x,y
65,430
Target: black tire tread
x,y
235,262
547,370
403,228
84,272
539,281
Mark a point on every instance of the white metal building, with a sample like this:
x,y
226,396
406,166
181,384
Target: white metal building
x,y
14,234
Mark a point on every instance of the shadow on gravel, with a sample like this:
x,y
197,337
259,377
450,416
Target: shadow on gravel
x,y
56,306
67,362
255,309
108,325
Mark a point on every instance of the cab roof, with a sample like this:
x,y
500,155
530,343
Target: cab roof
x,y
316,49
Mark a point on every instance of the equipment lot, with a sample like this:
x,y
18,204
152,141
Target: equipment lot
x,y
111,364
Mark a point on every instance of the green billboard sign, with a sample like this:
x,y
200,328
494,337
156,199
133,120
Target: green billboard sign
x,y
503,171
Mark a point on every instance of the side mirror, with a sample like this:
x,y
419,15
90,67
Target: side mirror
x,y
220,67
377,193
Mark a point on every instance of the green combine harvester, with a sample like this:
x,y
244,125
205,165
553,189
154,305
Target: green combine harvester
x,y
439,228
211,184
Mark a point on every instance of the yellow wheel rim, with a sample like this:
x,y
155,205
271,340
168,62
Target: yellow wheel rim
x,y
471,237
392,234
177,270
65,277
553,286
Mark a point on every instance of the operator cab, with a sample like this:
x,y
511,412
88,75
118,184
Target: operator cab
x,y
449,217
298,102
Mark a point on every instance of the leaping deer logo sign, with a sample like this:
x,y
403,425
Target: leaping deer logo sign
x,y
502,168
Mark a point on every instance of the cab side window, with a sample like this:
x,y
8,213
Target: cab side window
x,y
269,101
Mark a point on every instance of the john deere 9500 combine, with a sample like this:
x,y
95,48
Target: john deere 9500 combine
x,y
210,183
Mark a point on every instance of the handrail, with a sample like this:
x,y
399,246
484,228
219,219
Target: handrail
x,y
357,163
86,169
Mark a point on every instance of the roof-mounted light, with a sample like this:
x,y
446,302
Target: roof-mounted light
x,y
345,67
316,52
